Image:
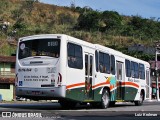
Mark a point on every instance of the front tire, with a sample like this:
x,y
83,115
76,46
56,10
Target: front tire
x,y
140,101
105,100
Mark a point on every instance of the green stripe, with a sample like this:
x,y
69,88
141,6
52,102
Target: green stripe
x,y
130,93
76,94
79,94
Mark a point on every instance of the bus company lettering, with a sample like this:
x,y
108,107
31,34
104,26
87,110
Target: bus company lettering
x,y
36,78
25,70
133,80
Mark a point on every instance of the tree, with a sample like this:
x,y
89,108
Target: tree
x,y
28,5
66,18
111,19
89,20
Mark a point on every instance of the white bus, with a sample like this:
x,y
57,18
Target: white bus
x,y
64,68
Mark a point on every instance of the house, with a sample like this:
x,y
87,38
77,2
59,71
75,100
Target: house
x,y
153,73
7,77
142,49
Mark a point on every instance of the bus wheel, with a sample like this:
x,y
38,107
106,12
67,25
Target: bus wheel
x,y
140,101
105,99
67,104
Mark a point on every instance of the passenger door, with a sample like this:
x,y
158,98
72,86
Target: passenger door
x,y
88,76
120,79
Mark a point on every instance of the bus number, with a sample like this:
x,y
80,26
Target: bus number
x,y
53,43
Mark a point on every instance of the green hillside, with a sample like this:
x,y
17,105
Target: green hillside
x,y
27,17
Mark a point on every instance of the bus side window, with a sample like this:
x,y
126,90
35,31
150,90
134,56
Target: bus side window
x,y
132,70
128,68
91,62
96,58
104,62
75,59
112,65
136,68
101,66
141,71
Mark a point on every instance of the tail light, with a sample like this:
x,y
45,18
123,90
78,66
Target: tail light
x,y
16,80
59,82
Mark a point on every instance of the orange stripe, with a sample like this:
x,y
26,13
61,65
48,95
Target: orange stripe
x,y
130,83
111,87
75,85
104,83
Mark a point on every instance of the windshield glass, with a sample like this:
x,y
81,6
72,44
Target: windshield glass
x,y
39,47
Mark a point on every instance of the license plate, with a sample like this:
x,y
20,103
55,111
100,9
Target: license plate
x,y
35,92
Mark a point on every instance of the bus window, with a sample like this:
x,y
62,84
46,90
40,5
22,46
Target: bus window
x,y
96,57
39,47
91,62
104,62
101,62
128,70
112,64
134,69
119,66
107,63
86,64
75,59
141,71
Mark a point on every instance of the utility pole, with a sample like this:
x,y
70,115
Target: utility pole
x,y
157,74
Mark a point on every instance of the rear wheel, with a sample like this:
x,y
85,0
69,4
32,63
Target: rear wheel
x,y
105,100
140,101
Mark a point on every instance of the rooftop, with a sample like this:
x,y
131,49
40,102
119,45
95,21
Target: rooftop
x,y
9,59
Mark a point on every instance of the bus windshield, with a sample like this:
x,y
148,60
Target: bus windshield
x,y
39,47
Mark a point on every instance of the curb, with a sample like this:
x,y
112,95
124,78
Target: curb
x,y
151,100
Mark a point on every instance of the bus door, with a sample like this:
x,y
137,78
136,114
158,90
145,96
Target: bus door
x,y
120,79
148,84
88,76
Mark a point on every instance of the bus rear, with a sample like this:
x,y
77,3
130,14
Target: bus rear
x,y
37,68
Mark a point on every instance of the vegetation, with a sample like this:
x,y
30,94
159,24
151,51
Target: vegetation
x,y
27,17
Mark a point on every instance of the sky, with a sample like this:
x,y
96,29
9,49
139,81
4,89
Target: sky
x,y
143,8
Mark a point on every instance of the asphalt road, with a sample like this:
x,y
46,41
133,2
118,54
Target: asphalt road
x,y
53,111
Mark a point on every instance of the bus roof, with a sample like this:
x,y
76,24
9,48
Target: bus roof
x,y
97,46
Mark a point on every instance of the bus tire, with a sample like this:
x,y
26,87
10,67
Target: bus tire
x,y
140,102
105,99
